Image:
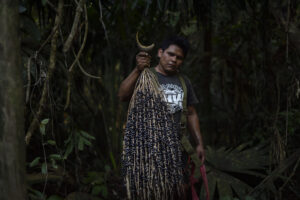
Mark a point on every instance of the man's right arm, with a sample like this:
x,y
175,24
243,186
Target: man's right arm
x,y
127,86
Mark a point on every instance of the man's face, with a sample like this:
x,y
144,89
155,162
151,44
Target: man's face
x,y
170,59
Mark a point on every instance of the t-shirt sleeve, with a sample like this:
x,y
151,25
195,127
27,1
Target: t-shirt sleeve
x,y
191,98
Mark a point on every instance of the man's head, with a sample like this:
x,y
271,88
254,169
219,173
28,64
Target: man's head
x,y
171,54
181,42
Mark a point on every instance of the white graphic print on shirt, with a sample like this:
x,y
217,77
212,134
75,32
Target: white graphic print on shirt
x,y
173,96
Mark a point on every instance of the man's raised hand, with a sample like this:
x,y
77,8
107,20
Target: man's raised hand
x,y
143,60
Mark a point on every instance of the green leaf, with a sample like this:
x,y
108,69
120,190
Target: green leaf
x,y
226,198
94,178
85,134
224,189
42,129
113,161
80,143
69,149
44,168
45,121
211,185
22,9
189,29
44,2
55,197
100,189
104,191
249,198
68,140
55,156
53,163
29,27
241,160
107,168
34,162
35,194
86,142
96,190
51,142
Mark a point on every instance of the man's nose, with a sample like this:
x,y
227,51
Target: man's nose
x,y
173,58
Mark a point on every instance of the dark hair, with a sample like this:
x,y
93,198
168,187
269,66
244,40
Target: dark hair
x,y
182,42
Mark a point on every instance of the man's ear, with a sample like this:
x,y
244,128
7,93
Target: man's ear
x,y
159,52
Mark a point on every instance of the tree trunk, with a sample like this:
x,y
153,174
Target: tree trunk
x,y
12,145
203,10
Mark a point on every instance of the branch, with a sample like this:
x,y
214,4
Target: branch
x,y
276,173
74,26
102,22
287,31
52,60
28,79
51,5
84,72
290,176
288,63
84,39
76,60
70,78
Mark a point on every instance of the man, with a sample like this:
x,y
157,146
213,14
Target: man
x,y
171,55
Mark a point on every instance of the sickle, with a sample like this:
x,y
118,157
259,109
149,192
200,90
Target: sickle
x,y
143,47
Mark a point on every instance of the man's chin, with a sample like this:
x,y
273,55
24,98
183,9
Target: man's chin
x,y
172,71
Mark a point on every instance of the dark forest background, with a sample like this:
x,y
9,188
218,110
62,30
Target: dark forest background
x,y
243,64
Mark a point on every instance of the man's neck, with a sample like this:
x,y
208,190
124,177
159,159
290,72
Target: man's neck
x,y
160,70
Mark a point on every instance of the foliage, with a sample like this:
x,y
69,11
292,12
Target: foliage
x,y
229,170
243,64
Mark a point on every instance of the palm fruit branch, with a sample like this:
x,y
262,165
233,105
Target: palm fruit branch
x,y
152,160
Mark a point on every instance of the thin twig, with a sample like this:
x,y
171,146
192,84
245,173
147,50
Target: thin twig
x,y
35,122
84,72
51,5
78,63
47,40
287,30
76,2
102,22
74,26
45,161
290,176
84,39
28,79
286,119
275,173
68,90
287,62
298,88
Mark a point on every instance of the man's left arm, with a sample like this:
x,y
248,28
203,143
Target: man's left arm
x,y
194,128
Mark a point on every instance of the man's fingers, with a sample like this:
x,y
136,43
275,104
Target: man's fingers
x,y
202,159
143,54
144,59
144,64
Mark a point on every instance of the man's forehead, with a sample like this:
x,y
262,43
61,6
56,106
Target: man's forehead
x,y
174,49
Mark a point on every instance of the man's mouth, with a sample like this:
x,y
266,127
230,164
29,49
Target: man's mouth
x,y
171,66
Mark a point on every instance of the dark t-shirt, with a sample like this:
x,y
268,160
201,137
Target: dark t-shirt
x,y
173,93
